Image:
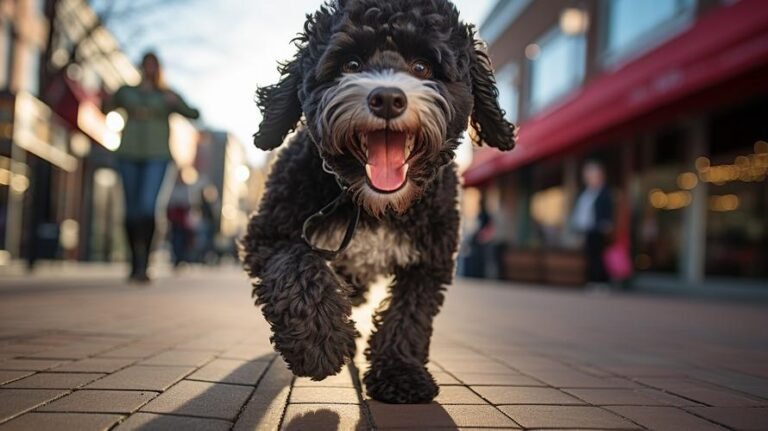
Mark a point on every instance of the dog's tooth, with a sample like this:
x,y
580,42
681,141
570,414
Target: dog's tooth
x,y
405,169
368,170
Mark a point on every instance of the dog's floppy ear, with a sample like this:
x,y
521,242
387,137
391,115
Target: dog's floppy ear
x,y
487,116
280,107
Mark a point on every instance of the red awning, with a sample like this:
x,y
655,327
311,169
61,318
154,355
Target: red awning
x,y
723,55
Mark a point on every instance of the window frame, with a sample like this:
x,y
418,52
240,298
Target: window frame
x,y
508,78
532,108
614,58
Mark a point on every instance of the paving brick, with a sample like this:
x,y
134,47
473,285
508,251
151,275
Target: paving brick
x,y
250,352
529,364
566,417
193,358
233,371
218,342
751,385
705,393
629,397
341,380
324,417
457,395
95,365
136,351
16,401
71,351
322,395
19,349
576,379
665,418
54,381
525,395
264,409
9,376
647,370
214,400
496,379
97,401
443,378
61,422
742,419
143,378
29,364
155,422
482,366
455,352
435,415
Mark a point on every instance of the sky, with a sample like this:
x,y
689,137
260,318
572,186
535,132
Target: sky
x,y
216,56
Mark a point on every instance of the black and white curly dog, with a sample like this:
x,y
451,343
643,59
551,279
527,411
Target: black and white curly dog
x,y
379,93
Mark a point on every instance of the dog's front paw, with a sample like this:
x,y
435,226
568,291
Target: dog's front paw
x,y
399,383
318,352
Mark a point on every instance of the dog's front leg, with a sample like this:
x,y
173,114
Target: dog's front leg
x,y
399,348
307,307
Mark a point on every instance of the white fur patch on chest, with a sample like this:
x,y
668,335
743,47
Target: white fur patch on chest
x,y
374,251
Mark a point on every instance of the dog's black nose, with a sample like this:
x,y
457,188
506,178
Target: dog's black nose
x,y
387,102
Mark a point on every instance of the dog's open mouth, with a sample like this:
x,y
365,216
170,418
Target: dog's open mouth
x,y
387,152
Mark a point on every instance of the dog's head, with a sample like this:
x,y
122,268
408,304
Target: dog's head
x,y
386,88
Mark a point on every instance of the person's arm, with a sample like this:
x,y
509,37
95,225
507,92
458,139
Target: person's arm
x,y
179,106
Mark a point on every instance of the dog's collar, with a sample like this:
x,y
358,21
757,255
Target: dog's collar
x,y
326,211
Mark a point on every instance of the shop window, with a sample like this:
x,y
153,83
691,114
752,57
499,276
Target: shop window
x,y
659,203
557,66
506,82
633,25
736,170
547,209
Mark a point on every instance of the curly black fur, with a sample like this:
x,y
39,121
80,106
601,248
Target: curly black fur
x,y
411,233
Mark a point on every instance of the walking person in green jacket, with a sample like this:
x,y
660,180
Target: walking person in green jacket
x,y
144,155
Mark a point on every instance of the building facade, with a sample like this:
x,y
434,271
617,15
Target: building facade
x,y
671,97
60,197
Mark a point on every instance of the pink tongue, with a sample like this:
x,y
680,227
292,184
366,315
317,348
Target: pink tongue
x,y
386,157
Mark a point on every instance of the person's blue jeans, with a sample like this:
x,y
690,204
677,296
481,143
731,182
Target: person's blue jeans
x,y
142,180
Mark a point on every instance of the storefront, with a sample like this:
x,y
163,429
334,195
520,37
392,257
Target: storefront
x,y
37,179
682,132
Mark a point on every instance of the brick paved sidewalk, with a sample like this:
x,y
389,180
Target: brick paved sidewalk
x,y
191,352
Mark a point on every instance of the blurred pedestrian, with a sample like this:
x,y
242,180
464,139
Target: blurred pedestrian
x,y
478,248
593,217
204,246
179,218
144,155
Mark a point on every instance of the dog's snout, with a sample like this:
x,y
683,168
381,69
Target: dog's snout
x,y
387,102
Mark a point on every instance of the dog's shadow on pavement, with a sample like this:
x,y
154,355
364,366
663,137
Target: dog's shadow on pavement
x,y
322,419
268,408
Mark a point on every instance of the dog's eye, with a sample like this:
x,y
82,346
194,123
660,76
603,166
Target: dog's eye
x,y
352,65
421,69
